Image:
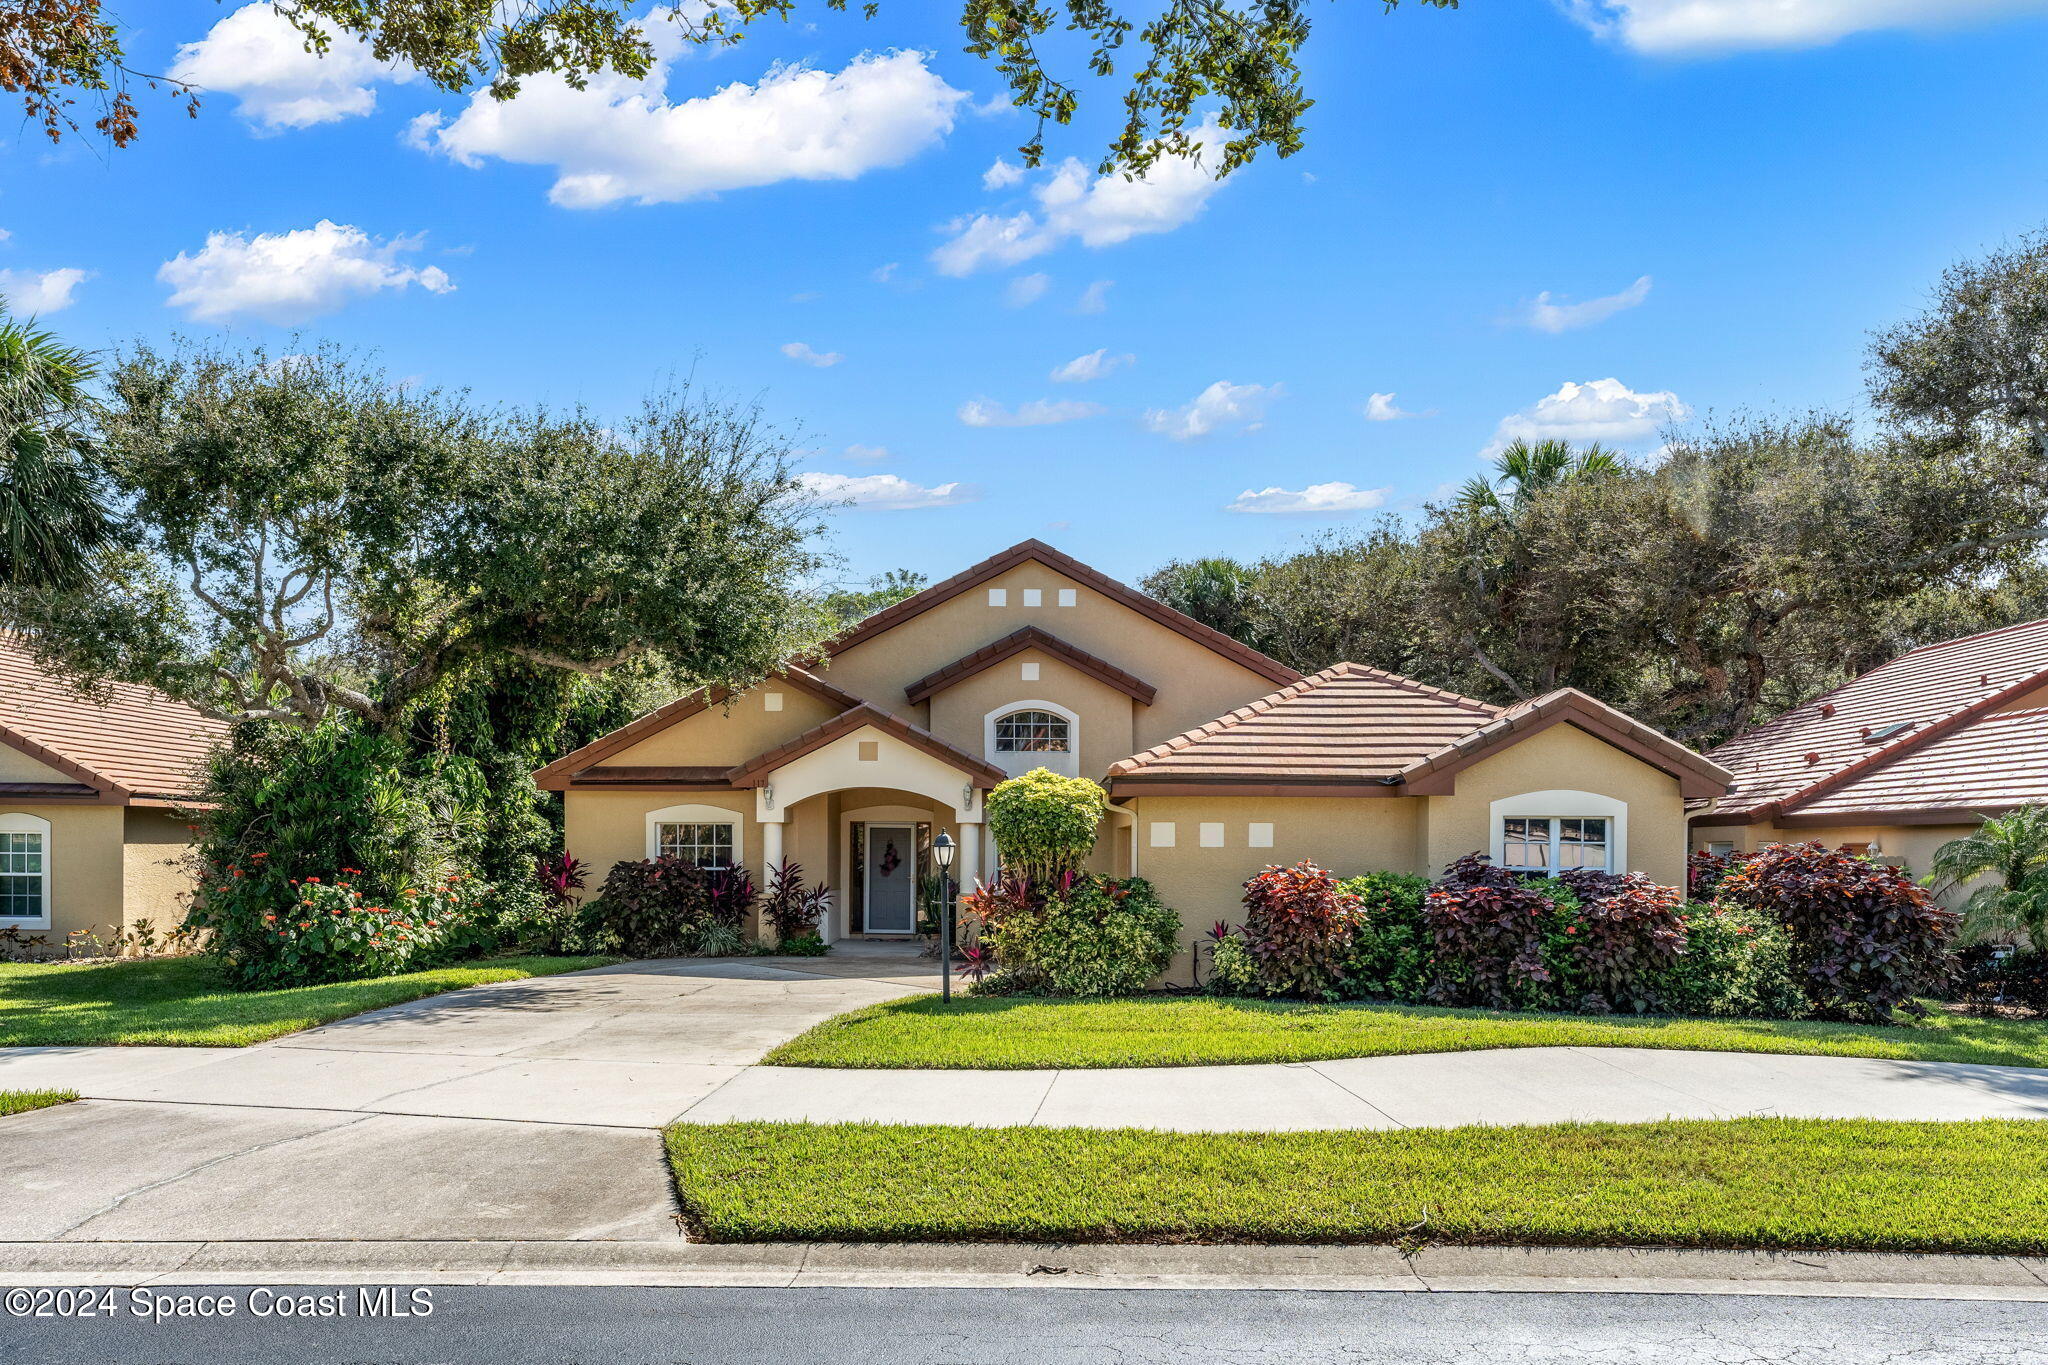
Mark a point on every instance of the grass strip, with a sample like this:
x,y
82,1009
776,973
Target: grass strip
x,y
22,1101
1749,1183
1025,1034
182,1001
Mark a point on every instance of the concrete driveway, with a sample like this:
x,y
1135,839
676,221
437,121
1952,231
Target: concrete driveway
x,y
525,1110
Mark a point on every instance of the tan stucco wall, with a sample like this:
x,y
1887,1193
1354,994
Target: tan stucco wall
x,y
1105,715
1563,758
729,734
157,868
1195,684
2028,701
85,866
16,766
608,827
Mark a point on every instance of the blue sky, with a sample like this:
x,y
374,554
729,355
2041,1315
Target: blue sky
x,y
1738,191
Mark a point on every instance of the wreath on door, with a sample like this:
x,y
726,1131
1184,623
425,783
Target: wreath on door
x,y
890,860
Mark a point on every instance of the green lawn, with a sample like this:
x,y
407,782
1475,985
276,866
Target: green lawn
x,y
1021,1034
1769,1183
21,1101
182,1002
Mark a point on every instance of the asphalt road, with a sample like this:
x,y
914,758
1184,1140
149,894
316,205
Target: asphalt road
x,y
627,1326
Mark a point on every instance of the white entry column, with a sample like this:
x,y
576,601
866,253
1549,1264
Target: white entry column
x,y
970,856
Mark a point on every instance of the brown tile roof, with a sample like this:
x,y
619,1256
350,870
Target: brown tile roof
x,y
1994,763
1016,642
1697,776
1785,765
1347,725
756,770
557,775
134,742
1037,550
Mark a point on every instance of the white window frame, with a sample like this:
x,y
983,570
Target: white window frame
x,y
698,815
21,822
1721,848
1067,764
1558,805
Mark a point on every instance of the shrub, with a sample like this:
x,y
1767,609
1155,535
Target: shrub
x,y
656,907
1487,931
1085,935
1986,980
331,931
1388,955
1737,964
1865,938
1623,933
802,945
1705,869
1045,824
1297,927
793,909
731,896
1231,969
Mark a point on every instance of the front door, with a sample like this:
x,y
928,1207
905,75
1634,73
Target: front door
x,y
891,879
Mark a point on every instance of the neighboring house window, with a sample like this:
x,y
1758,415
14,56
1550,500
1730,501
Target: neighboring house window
x,y
24,871
1720,848
707,836
1554,844
1033,734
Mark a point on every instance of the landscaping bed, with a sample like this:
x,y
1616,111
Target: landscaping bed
x,y
1022,1033
185,1002
1747,1183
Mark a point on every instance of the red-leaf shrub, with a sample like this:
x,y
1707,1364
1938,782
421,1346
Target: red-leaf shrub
x,y
1705,869
656,907
792,908
1477,869
1297,926
1622,939
1865,938
1489,939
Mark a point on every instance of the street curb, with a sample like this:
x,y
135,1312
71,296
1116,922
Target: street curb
x,y
1443,1269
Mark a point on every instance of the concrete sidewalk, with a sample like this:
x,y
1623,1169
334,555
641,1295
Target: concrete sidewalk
x,y
1436,1269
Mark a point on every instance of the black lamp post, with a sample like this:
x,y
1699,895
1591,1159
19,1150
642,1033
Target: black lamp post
x,y
943,849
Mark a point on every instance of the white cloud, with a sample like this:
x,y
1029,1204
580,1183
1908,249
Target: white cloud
x,y
1682,27
1075,205
870,453
1095,298
1039,412
256,55
1601,410
798,350
1382,408
882,274
1026,290
887,491
1094,365
48,292
1547,316
1002,175
1318,499
621,139
288,277
1222,404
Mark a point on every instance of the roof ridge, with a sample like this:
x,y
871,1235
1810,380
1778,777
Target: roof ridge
x,y
1402,680
1959,640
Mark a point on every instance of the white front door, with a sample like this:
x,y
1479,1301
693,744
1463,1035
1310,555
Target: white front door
x,y
891,879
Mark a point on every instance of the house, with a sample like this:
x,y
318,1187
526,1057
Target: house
x,y
90,837
1897,762
1217,759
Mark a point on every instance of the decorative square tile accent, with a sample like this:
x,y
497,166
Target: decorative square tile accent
x,y
870,750
1030,673
1212,834
1033,597
1162,834
771,701
1259,836
999,597
1067,597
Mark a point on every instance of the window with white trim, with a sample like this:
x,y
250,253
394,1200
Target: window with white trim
x,y
24,871
1720,848
1555,843
1032,732
705,845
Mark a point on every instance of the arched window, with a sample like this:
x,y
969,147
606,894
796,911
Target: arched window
x,y
708,836
1032,732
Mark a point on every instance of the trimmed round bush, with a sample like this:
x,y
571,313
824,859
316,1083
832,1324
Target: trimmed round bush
x,y
1045,824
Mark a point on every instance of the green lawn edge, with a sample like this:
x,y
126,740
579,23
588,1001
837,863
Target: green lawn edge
x,y
1023,1033
23,1101
1760,1184
183,1002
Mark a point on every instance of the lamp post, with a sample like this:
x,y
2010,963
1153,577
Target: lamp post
x,y
942,853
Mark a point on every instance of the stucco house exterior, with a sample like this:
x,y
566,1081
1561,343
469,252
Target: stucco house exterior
x,y
90,838
1898,761
1217,759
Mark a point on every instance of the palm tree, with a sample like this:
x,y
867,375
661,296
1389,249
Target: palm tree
x,y
2013,849
51,516
1525,470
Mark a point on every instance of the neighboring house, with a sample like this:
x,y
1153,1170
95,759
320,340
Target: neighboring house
x,y
1899,761
1218,760
89,835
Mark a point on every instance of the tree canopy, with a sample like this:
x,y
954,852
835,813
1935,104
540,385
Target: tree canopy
x,y
1237,57
298,535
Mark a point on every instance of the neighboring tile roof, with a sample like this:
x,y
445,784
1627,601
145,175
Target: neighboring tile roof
x,y
132,742
1016,642
1029,550
1348,724
756,770
1785,765
1993,763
